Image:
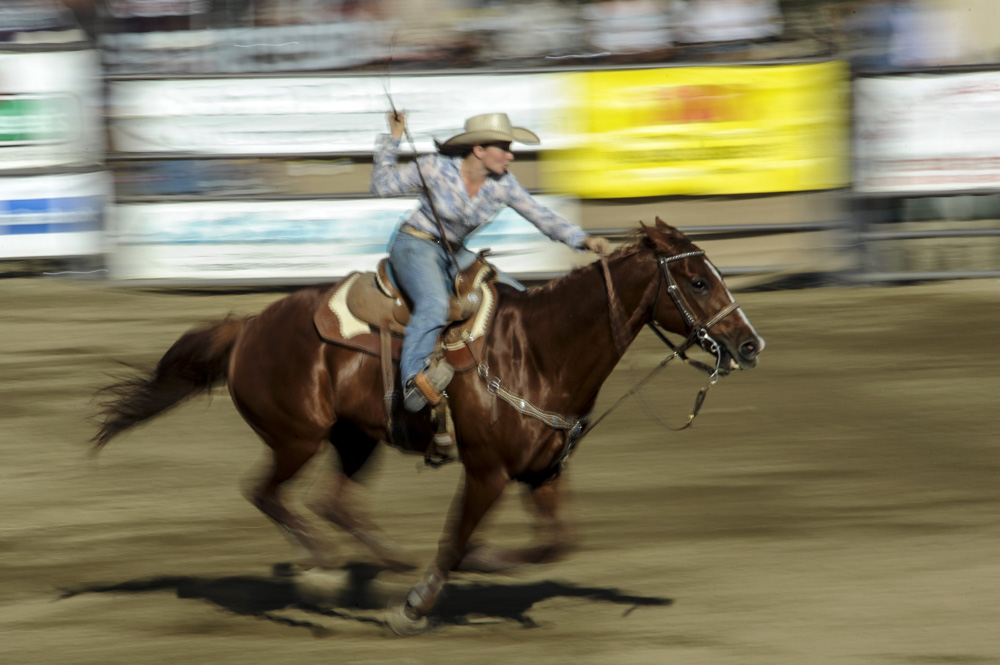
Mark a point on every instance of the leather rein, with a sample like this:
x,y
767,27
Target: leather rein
x,y
698,335
577,428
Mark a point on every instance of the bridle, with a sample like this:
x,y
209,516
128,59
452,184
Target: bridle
x,y
577,428
698,334
698,331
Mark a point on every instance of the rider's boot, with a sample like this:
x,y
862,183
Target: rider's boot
x,y
427,387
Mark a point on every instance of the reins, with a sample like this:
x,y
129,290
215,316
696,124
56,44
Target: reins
x,y
615,311
699,334
578,428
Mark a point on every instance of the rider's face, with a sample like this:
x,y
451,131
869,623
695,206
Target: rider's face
x,y
495,157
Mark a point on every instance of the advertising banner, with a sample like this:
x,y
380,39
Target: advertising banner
x,y
927,133
53,215
300,241
50,110
340,115
703,131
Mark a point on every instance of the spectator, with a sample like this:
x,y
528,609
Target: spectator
x,y
37,21
425,33
724,28
519,30
155,15
866,28
891,34
629,30
923,36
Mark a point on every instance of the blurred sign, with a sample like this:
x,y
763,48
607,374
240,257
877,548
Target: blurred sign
x,y
133,8
703,130
927,133
53,215
50,110
316,115
272,48
300,241
21,16
36,119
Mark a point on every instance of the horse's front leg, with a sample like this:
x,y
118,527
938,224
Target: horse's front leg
x,y
476,498
553,538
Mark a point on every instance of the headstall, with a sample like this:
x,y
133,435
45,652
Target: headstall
x,y
698,332
577,428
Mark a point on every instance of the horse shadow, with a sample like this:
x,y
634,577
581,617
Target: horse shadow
x,y
358,599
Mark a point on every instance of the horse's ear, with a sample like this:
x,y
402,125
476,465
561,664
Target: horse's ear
x,y
663,226
647,233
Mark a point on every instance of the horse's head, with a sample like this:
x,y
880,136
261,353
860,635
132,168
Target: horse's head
x,y
693,300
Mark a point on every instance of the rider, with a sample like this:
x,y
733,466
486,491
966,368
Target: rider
x,y
470,184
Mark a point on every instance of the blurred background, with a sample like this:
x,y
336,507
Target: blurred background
x,y
165,161
230,141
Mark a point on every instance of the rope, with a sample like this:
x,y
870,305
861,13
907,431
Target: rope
x,y
423,182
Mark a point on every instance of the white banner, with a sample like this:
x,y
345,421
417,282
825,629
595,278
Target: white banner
x,y
299,241
321,115
50,110
933,133
53,215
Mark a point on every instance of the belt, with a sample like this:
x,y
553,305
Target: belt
x,y
409,229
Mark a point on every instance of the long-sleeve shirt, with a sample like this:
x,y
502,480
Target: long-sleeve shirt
x,y
459,214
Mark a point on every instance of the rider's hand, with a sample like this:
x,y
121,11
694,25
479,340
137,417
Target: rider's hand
x,y
397,123
599,246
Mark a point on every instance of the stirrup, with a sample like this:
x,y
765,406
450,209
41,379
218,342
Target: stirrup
x,y
427,387
442,451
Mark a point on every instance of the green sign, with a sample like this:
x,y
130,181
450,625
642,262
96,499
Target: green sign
x,y
28,119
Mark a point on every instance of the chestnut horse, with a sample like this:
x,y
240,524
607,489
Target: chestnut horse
x,y
547,354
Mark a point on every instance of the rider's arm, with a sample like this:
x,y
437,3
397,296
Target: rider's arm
x,y
548,222
389,178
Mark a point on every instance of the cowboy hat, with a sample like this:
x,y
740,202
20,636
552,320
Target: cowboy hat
x,y
490,128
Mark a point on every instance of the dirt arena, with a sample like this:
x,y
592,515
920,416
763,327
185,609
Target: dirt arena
x,y
838,504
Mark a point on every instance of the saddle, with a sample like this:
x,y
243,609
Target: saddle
x,y
368,313
358,311
376,300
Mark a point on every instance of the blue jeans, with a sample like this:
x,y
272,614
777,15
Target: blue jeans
x,y
424,271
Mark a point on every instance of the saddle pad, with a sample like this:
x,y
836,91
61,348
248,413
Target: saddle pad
x,y
335,323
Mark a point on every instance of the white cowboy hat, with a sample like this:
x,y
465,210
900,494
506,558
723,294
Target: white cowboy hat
x,y
491,128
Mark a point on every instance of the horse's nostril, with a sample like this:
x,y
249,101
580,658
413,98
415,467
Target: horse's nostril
x,y
749,350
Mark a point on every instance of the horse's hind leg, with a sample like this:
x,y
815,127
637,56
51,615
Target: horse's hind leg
x,y
288,458
343,505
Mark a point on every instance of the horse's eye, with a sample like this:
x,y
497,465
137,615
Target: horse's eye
x,y
699,284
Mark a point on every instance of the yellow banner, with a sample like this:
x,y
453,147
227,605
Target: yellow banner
x,y
703,130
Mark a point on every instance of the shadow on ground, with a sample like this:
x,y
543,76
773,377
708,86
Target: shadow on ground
x,y
358,600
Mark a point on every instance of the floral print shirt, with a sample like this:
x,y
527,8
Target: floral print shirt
x,y
460,216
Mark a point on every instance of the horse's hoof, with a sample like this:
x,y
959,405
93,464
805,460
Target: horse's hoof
x,y
402,624
287,569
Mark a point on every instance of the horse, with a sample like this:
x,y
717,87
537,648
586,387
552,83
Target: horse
x,y
548,352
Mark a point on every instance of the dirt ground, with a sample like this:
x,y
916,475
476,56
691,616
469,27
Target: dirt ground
x,y
838,504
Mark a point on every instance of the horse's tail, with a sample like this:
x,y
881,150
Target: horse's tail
x,y
195,362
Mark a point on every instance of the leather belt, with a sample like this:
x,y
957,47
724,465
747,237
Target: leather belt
x,y
409,229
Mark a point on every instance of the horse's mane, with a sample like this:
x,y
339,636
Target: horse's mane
x,y
674,243
568,283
